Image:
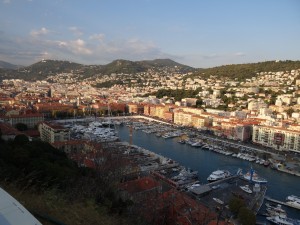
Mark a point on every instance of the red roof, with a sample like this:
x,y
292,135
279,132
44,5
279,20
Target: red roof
x,y
139,185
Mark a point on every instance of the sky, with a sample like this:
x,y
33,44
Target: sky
x,y
198,33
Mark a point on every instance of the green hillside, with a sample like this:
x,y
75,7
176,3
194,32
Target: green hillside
x,y
244,71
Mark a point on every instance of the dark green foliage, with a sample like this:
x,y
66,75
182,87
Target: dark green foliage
x,y
244,71
21,139
108,84
246,216
21,127
37,160
235,204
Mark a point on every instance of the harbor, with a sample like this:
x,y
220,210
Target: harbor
x,y
279,184
184,160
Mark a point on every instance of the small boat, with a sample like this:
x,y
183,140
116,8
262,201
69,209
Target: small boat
x,y
294,204
275,209
246,189
218,175
266,163
292,198
218,201
197,144
181,141
252,176
282,220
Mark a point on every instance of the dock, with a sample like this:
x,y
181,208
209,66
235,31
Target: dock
x,y
281,203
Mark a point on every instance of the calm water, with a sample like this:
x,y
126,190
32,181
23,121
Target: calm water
x,y
280,184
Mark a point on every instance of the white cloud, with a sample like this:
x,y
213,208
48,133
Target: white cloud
x,y
98,37
239,54
42,31
76,31
6,1
77,47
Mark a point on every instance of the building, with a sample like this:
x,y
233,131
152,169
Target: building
x,y
276,137
200,121
51,132
139,189
30,120
135,108
183,118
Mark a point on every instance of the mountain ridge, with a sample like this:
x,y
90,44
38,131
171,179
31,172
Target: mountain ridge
x,y
7,65
40,70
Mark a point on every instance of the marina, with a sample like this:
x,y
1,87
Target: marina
x,y
185,160
197,158
283,203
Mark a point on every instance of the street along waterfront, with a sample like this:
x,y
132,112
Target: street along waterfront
x,y
280,185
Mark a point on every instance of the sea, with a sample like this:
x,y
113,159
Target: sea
x,y
280,184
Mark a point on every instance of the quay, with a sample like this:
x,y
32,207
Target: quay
x,y
280,202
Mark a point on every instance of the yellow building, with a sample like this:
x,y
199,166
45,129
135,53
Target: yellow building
x,y
199,121
183,118
51,132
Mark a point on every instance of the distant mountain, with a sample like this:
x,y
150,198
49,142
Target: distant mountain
x,y
6,65
41,70
126,66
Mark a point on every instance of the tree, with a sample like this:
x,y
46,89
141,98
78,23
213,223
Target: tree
x,y
235,204
246,216
290,112
21,127
21,139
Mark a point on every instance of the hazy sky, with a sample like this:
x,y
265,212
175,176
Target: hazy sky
x,y
199,33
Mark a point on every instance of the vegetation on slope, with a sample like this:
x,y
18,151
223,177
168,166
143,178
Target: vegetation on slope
x,y
244,71
176,94
42,69
52,186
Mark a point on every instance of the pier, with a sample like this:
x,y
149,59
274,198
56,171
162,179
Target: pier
x,y
280,202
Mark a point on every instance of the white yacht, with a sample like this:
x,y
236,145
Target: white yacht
x,y
218,201
246,189
282,220
293,198
218,175
253,177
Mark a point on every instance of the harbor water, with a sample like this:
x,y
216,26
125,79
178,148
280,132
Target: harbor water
x,y
280,184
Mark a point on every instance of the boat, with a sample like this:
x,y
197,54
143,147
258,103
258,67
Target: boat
x,y
252,176
266,163
293,198
294,204
181,141
218,175
275,209
218,201
246,189
283,220
197,144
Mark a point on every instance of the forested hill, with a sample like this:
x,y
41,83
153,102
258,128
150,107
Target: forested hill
x,y
244,71
41,70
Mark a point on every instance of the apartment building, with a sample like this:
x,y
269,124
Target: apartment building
x,y
183,118
200,121
30,120
135,108
278,138
51,132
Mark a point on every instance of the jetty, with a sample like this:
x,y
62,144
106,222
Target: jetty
x,y
281,203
